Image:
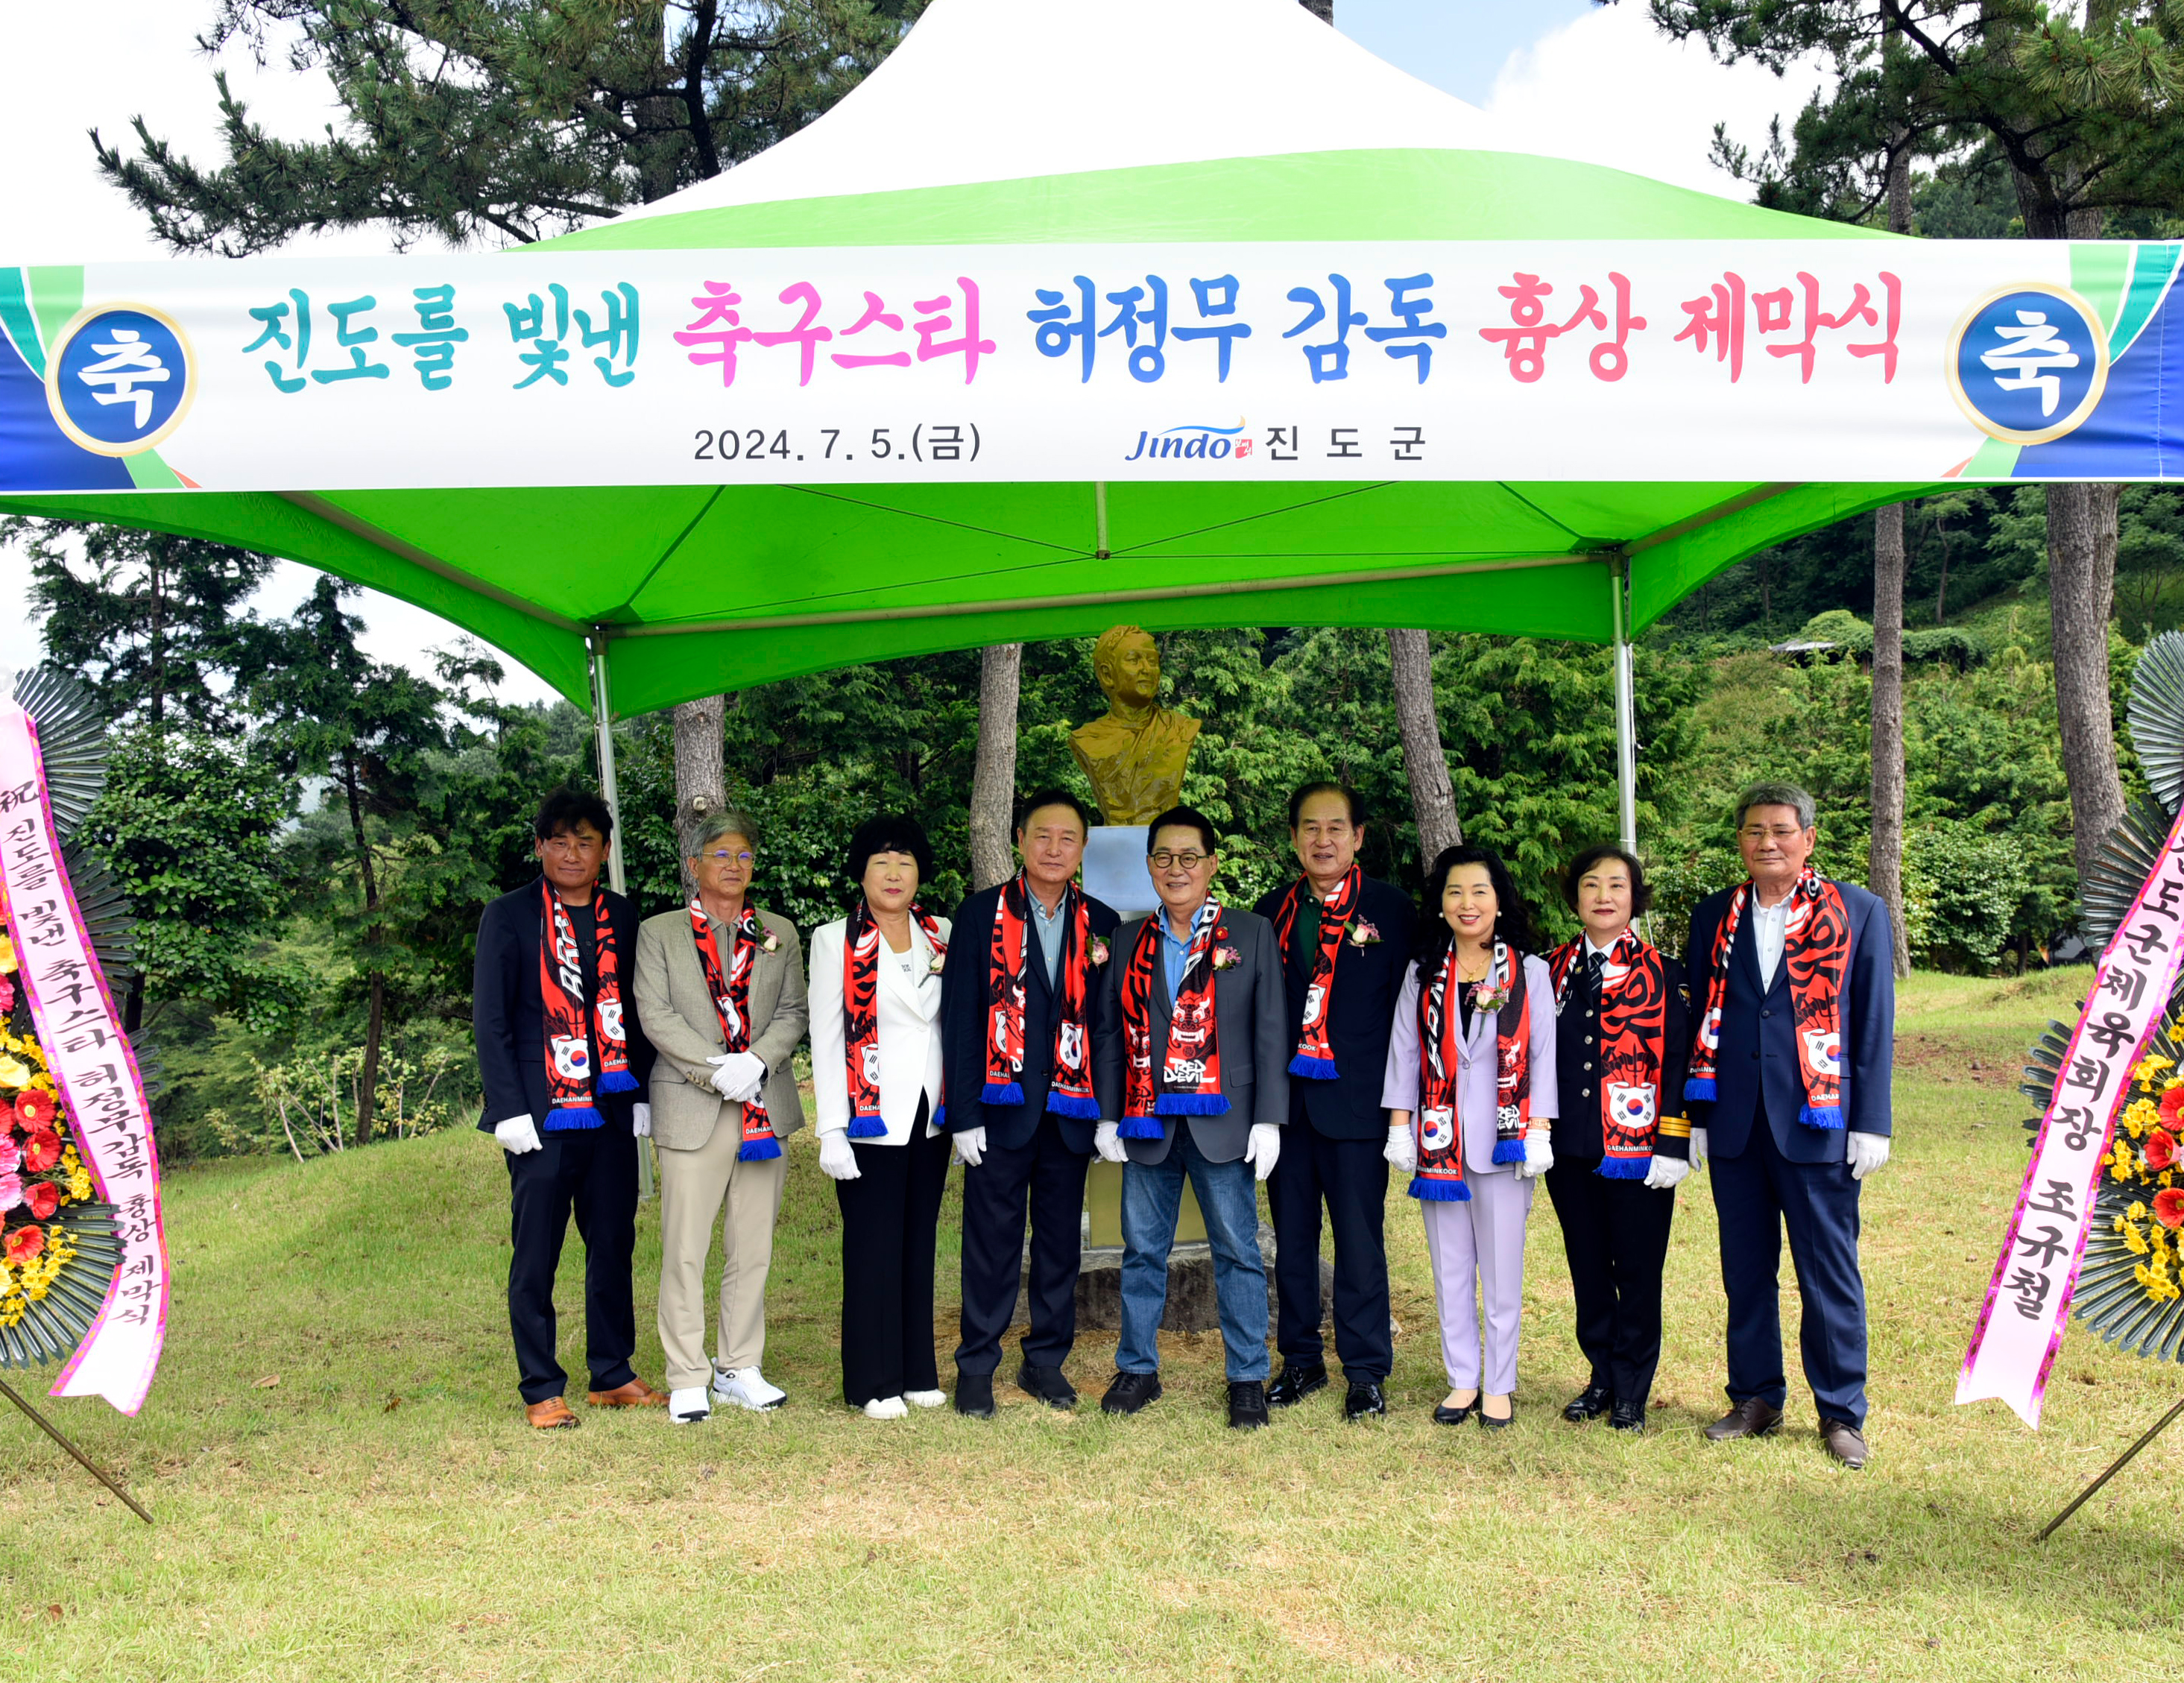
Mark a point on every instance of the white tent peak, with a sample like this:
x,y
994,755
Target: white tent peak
x,y
1009,90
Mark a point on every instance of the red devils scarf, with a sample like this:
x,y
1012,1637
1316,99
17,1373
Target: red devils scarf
x,y
561,986
1438,1129
732,1001
1633,1016
1315,1058
1815,948
860,1015
1189,1079
1070,1091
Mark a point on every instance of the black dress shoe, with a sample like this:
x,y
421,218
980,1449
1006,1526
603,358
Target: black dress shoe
x,y
1365,1398
1627,1416
1298,1381
1130,1392
1492,1424
1446,1416
974,1395
1047,1384
1247,1404
1589,1404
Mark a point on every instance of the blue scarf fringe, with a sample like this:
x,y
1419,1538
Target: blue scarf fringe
x,y
1700,1086
1624,1168
1140,1128
572,1118
1439,1191
618,1081
940,1119
1191,1104
1508,1150
761,1150
1002,1093
1313,1069
1822,1115
868,1128
1069,1104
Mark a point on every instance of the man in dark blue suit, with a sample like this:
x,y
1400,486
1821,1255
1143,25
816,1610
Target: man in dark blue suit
x,y
1025,1151
1338,1135
1788,1088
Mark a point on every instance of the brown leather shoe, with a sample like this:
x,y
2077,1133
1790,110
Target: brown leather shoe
x,y
635,1394
1750,1418
1845,1442
550,1415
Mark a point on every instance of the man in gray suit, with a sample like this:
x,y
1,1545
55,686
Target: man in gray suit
x,y
1191,1070
725,982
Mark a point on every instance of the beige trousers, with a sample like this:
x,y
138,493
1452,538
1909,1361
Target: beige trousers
x,y
696,1188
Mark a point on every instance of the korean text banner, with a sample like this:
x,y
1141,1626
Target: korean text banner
x,y
1770,360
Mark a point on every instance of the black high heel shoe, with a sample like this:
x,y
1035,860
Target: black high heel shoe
x,y
1492,1424
1446,1416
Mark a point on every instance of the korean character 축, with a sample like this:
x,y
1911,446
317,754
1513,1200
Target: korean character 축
x,y
717,328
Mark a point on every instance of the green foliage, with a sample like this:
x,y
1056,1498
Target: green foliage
x,y
1961,889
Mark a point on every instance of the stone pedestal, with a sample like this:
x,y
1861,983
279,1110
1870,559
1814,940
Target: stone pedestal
x,y
1191,1307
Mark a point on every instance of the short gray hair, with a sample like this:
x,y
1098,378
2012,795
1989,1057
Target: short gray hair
x,y
1776,795
722,820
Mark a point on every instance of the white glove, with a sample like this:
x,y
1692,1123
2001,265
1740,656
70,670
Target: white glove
x,y
1402,1149
1698,1149
837,1158
1264,1149
738,1076
1107,1141
517,1135
1539,1156
640,1120
970,1146
1865,1153
1663,1173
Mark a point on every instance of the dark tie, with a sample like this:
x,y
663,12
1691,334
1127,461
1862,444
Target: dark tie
x,y
1596,967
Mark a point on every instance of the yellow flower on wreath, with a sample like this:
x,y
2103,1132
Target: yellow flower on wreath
x,y
2122,1164
2145,1071
2139,1116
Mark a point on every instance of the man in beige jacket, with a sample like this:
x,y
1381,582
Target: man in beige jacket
x,y
723,1098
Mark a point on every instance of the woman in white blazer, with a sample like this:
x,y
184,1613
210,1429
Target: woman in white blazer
x,y
876,1073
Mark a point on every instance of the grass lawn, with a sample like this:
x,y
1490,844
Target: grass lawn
x,y
345,1488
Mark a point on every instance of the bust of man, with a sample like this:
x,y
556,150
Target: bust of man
x,y
1134,754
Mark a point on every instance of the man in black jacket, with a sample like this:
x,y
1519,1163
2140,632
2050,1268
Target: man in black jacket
x,y
1344,939
564,1062
1023,1129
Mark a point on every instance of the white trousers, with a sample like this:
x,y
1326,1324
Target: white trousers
x,y
1478,1248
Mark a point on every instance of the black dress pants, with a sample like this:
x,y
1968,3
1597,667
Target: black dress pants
x,y
890,1213
1352,1177
591,1172
1044,1175
1615,1234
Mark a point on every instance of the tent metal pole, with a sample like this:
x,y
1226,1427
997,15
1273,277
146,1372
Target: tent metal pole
x,y
603,735
1626,702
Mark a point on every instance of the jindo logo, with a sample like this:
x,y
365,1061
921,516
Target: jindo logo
x,y
1193,444
120,378
2028,364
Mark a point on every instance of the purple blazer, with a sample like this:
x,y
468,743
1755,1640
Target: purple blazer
x,y
1475,1066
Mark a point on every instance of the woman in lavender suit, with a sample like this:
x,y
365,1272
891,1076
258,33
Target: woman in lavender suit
x,y
1475,926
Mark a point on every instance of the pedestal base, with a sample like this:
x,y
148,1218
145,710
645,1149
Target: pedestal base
x,y
1191,1305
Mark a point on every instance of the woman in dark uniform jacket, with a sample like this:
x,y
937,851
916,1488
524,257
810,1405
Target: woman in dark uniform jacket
x,y
1622,1040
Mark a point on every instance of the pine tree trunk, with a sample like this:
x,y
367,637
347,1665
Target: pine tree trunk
x,y
1322,10
1433,797
701,778
375,1022
1885,870
993,781
2081,545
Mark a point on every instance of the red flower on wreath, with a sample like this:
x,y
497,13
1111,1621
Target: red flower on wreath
x,y
25,1244
2160,1150
7,1119
34,1109
2172,1107
43,1197
2169,1206
41,1151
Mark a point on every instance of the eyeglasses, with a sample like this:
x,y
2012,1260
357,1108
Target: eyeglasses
x,y
1780,833
1189,862
724,857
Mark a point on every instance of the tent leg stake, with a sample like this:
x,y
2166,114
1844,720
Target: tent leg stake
x,y
2114,1467
603,735
106,1477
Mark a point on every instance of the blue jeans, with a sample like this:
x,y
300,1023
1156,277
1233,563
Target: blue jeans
x,y
1228,1193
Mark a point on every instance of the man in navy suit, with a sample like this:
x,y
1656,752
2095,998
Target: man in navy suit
x,y
1028,1154
1338,1133
1792,1103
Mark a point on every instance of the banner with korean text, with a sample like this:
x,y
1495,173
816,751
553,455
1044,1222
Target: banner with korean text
x,y
90,1062
1838,360
2028,1300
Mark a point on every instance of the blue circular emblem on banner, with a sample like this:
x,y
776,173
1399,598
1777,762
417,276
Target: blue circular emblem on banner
x,y
120,378
2029,363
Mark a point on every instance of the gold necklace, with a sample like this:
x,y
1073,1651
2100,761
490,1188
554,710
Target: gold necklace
x,y
1464,974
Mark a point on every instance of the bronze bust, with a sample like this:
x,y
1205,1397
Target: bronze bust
x,y
1134,754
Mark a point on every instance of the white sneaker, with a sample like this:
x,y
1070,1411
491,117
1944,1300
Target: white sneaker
x,y
926,1399
689,1406
746,1387
886,1409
